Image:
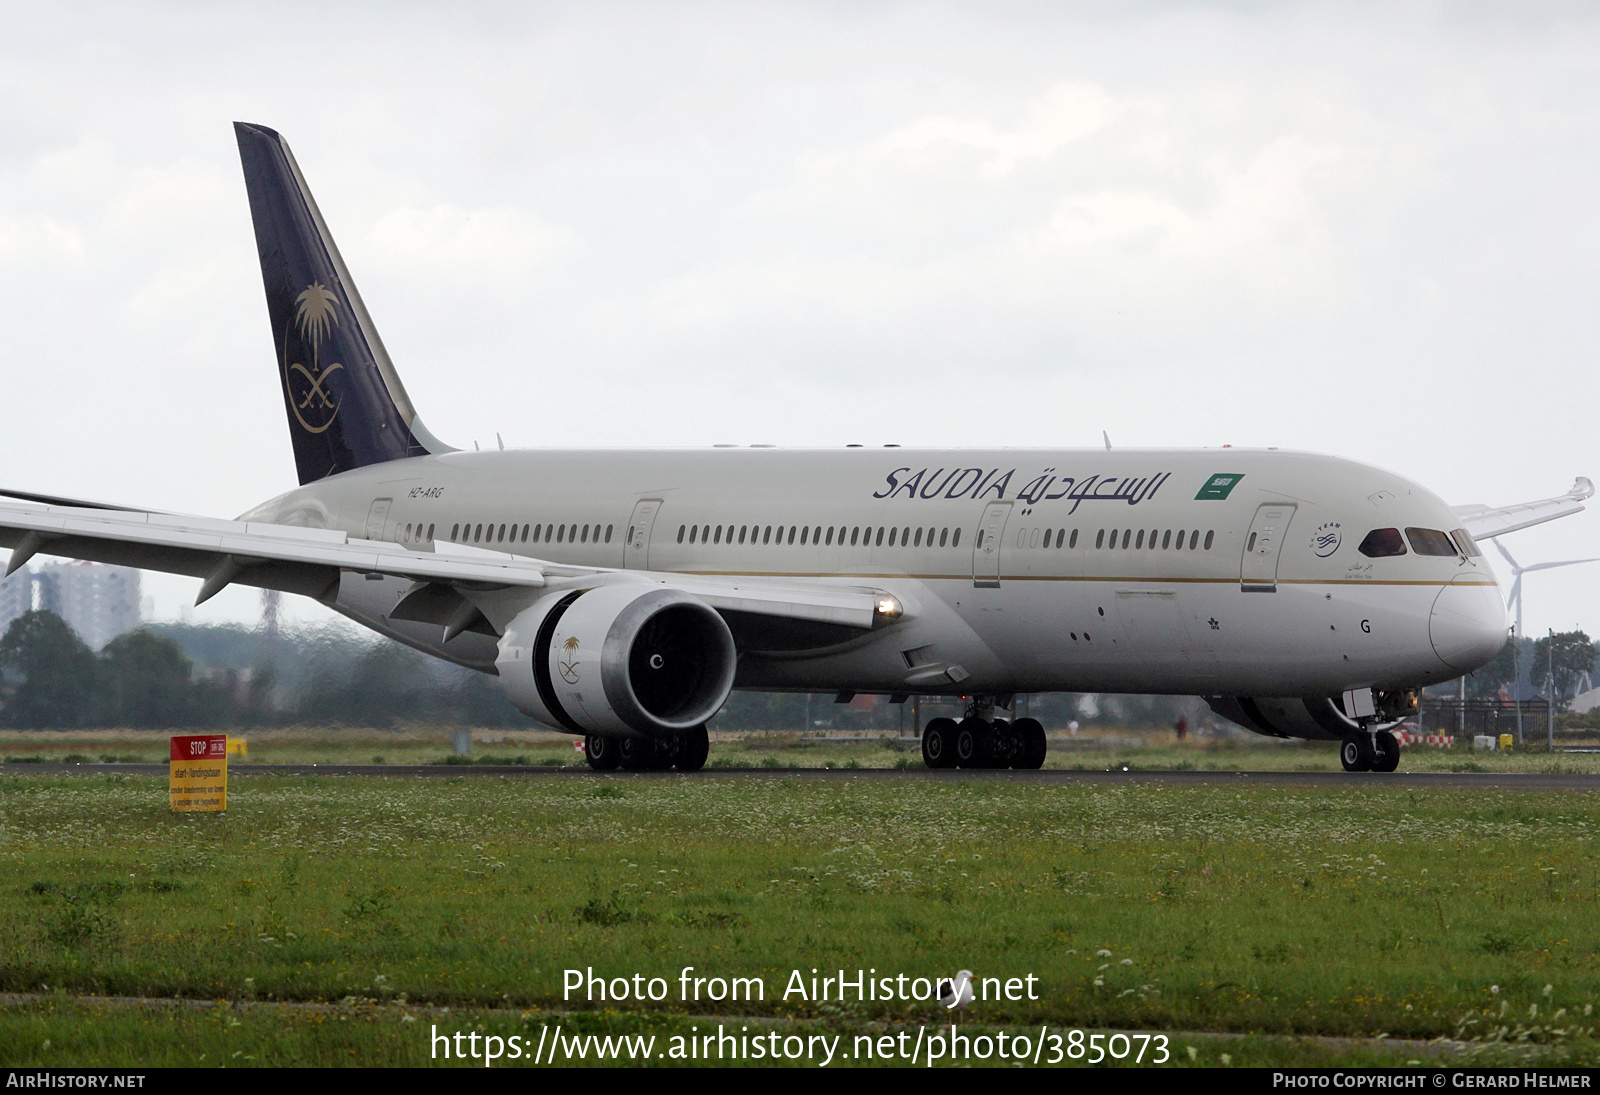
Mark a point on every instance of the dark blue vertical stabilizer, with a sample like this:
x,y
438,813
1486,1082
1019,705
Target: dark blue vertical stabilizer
x,y
346,405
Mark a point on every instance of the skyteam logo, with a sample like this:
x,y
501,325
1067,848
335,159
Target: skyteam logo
x,y
1325,541
313,404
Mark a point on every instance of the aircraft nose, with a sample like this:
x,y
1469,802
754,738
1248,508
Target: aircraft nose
x,y
1468,622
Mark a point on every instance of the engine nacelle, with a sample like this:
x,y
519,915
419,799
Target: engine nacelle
x,y
620,660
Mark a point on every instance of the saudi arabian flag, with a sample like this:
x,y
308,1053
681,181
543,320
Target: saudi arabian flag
x,y
1217,487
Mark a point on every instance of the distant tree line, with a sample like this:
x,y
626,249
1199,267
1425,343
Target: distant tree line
x,y
1525,667
149,678
173,676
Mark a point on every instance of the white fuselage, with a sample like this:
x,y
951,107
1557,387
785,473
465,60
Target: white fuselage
x,y
1010,581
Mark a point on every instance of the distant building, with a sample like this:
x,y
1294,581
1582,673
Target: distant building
x,y
16,596
98,602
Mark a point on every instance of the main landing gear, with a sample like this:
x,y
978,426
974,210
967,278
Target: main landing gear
x,y
686,752
982,741
1369,751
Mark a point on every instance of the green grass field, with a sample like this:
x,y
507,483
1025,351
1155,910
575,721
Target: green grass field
x,y
1275,913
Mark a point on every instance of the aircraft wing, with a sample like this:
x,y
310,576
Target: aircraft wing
x,y
1484,523
309,561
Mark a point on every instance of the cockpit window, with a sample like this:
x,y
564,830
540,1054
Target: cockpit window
x,y
1430,541
1469,547
1382,543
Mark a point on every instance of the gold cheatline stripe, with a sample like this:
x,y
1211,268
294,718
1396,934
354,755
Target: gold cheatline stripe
x,y
1064,578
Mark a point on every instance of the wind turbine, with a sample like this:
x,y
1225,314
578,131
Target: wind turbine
x,y
1517,571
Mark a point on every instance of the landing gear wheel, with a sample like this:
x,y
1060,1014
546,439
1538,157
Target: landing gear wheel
x,y
1002,744
1386,758
939,743
693,748
602,754
637,754
1355,754
974,743
1032,747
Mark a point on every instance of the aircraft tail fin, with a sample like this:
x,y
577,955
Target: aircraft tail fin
x,y
346,406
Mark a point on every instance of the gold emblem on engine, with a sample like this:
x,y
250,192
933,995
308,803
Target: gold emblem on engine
x,y
567,664
309,398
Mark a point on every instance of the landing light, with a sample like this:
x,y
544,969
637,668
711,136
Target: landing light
x,y
889,608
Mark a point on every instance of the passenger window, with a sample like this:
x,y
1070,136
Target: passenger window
x,y
944,532
455,530
682,531
1072,543
1099,538
1125,534
830,536
1194,538
791,534
742,530
1382,543
918,542
1166,540
955,541
608,532
430,533
1209,534
1139,543
561,534
766,537
803,534
1428,541
855,535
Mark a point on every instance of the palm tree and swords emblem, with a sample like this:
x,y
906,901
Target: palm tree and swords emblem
x,y
567,664
316,316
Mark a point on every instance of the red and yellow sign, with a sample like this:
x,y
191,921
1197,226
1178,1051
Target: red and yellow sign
x,y
197,773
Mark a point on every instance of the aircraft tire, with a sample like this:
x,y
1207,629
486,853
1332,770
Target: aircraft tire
x,y
693,748
1355,754
939,743
974,743
602,754
1033,747
1003,744
1388,754
636,754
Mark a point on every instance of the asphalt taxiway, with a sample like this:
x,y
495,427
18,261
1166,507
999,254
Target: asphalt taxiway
x,y
1415,781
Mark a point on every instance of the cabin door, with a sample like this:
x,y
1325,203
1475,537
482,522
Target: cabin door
x,y
377,517
636,550
986,545
1263,546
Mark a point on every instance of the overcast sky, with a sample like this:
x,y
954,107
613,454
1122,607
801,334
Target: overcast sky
x,y
1367,230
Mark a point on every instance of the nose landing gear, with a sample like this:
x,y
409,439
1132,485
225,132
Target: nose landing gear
x,y
1370,751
